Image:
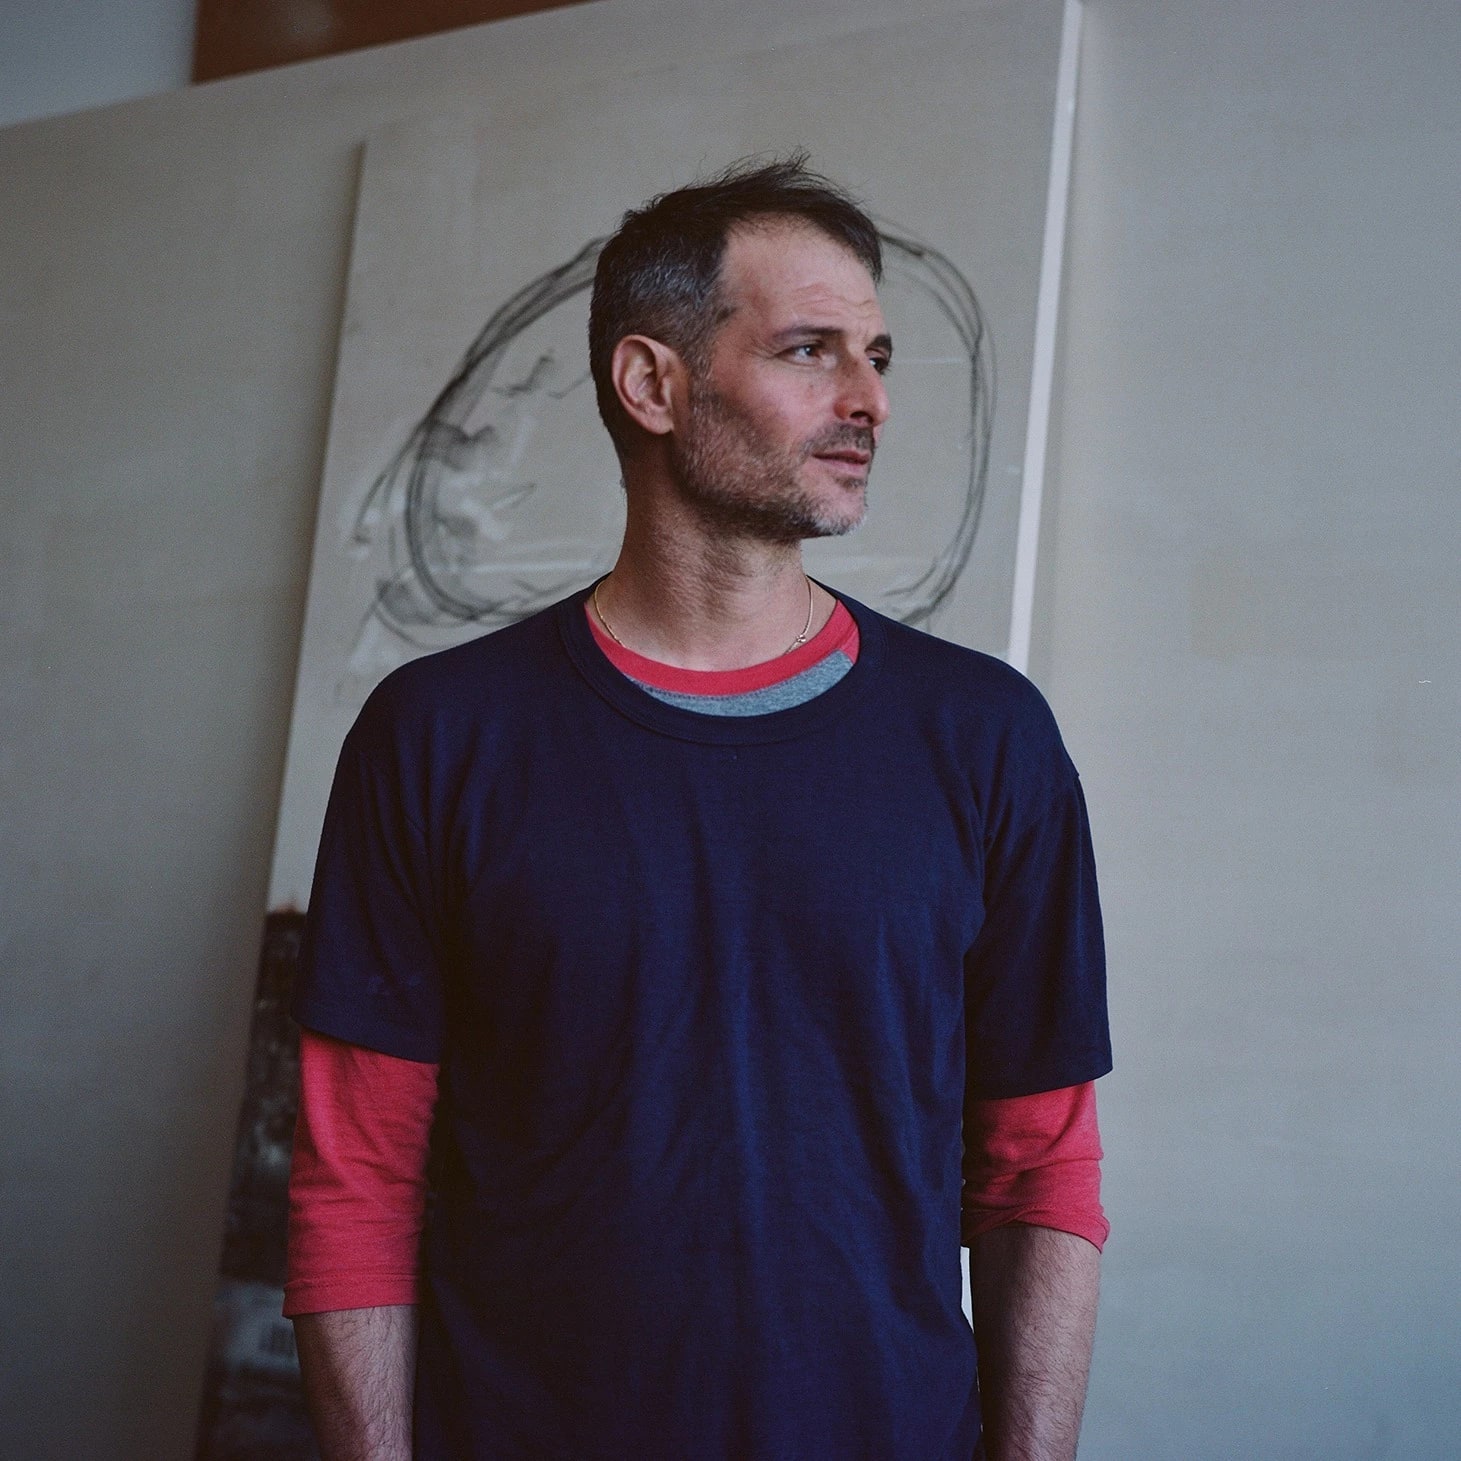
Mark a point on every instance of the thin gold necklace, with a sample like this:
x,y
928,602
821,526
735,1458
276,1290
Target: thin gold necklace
x,y
800,639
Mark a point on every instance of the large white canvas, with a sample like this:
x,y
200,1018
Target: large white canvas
x,y
467,479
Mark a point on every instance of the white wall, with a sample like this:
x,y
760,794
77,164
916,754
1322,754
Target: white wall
x,y
61,57
1253,635
1248,625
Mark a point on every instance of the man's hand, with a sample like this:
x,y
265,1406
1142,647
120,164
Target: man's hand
x,y
359,1368
1034,1294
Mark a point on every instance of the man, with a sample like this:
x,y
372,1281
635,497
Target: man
x,y
744,943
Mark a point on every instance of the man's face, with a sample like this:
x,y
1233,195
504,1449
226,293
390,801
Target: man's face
x,y
784,416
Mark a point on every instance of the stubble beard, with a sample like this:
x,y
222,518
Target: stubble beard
x,y
743,486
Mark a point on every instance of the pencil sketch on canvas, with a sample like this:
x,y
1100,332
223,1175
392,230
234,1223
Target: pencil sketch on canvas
x,y
474,524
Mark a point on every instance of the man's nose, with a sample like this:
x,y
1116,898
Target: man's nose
x,y
864,396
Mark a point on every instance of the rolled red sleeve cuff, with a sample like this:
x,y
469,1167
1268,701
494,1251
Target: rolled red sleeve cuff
x,y
357,1187
1037,1160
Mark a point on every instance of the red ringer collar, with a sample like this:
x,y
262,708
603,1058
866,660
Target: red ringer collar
x,y
838,633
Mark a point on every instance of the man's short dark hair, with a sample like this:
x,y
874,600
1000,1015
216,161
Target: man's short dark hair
x,y
659,275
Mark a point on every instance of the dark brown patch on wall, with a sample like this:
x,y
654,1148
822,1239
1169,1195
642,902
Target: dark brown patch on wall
x,y
253,1408
234,36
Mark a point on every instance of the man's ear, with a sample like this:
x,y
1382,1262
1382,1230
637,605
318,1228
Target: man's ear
x,y
649,379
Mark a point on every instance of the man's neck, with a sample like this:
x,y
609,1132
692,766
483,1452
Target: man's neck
x,y
708,602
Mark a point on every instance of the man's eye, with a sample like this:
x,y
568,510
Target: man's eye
x,y
881,364
807,351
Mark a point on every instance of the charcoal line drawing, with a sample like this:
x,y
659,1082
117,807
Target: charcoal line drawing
x,y
916,602
447,501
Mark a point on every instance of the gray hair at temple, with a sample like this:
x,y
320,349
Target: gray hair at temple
x,y
659,275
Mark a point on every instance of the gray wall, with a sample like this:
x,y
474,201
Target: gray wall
x,y
1248,625
1253,634
86,53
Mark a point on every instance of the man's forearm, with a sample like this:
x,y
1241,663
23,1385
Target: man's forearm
x,y
359,1369
1034,1295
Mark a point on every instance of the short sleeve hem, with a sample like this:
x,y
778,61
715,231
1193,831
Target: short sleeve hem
x,y
364,1028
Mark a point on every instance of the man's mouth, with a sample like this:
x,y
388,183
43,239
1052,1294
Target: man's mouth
x,y
848,446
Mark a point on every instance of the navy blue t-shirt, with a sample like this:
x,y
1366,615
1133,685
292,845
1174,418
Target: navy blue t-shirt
x,y
708,995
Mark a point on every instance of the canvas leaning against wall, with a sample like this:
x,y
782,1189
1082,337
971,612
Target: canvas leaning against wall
x,y
468,481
